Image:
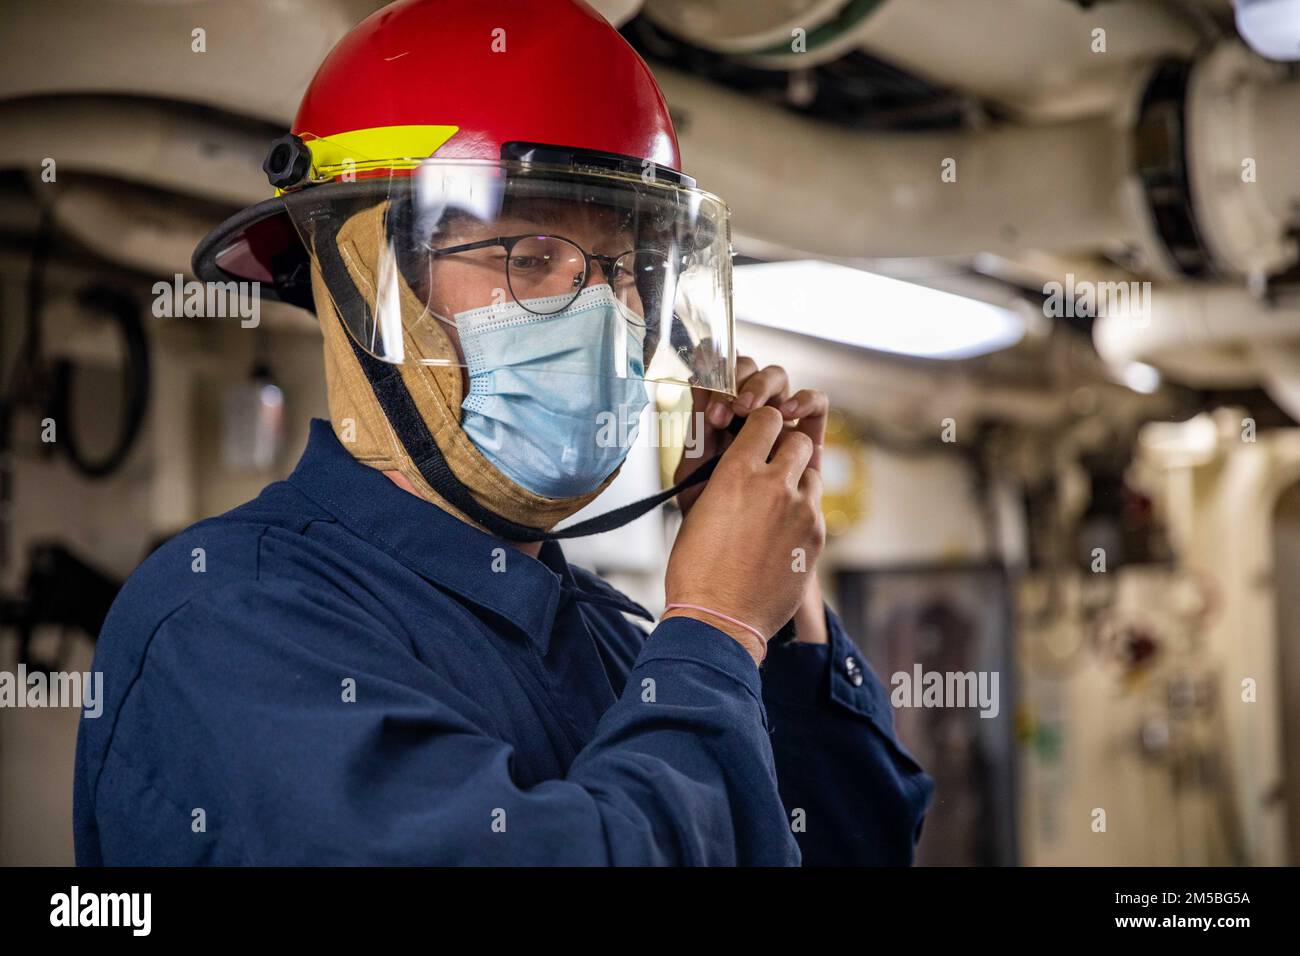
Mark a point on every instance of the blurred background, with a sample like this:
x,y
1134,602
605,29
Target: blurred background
x,y
1042,255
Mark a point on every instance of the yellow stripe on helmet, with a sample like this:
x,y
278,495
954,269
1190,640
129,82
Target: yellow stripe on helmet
x,y
382,147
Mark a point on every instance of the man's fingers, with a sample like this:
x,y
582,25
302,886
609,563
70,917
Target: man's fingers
x,y
810,406
806,403
771,386
793,452
810,483
761,430
768,385
720,412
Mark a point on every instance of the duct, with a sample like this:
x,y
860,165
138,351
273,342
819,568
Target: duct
x,y
1055,71
764,33
1066,187
131,229
148,49
1203,336
146,142
1056,187
1277,134
909,395
1243,134
1051,69
124,227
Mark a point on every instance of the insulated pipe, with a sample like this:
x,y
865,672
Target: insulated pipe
x,y
1042,59
1243,137
1204,336
839,192
762,30
122,227
145,142
1277,132
1057,188
252,58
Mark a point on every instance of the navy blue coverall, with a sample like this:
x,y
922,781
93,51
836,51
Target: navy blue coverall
x,y
341,673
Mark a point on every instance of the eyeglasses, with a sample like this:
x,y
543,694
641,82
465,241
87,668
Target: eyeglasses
x,y
554,268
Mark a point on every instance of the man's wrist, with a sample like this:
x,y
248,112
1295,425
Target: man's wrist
x,y
756,648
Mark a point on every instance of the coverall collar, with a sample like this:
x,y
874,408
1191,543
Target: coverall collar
x,y
480,568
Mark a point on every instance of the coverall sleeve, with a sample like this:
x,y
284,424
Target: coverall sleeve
x,y
241,707
855,796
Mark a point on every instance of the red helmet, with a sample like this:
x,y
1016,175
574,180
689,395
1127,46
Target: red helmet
x,y
465,79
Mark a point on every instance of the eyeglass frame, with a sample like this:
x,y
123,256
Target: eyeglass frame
x,y
508,243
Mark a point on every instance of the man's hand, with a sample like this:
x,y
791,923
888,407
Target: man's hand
x,y
804,411
753,535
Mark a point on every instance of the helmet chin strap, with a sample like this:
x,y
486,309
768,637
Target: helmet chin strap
x,y
408,424
413,432
395,400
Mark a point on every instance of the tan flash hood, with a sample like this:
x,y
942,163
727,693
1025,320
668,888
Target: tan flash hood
x,y
356,414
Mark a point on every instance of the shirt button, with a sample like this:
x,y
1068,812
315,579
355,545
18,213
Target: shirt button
x,y
853,670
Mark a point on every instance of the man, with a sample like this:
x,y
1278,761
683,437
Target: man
x,y
386,658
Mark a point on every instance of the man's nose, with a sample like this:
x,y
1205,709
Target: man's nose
x,y
598,273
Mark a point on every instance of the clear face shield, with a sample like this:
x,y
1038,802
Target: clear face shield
x,y
495,266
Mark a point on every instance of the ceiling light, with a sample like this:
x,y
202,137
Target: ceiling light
x,y
1271,27
847,305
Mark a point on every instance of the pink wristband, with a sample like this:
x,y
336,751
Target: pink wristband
x,y
708,610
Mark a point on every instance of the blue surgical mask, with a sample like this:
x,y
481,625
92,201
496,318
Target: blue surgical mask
x,y
554,400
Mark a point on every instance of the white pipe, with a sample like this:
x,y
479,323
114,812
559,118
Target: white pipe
x,y
1243,117
143,142
1199,334
123,228
1037,58
829,191
1041,59
257,59
1277,136
743,28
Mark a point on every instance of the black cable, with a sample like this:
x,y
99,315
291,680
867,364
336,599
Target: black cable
x,y
125,314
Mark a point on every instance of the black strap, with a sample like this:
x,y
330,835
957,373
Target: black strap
x,y
399,407
395,400
413,433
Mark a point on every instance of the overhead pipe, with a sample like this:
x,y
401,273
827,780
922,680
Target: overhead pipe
x,y
147,49
148,142
1201,335
1060,68
829,191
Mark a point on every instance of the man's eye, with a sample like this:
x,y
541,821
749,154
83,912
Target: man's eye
x,y
527,262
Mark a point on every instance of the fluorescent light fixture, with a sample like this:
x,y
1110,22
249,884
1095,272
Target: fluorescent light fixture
x,y
1271,27
847,305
